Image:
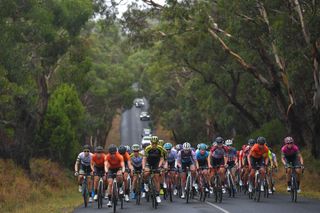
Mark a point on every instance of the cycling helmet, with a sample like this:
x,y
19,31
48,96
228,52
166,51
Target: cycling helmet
x,y
135,147
161,142
228,142
99,149
144,145
155,139
178,147
251,142
167,146
112,149
261,140
288,140
186,146
122,149
86,147
214,143
202,146
219,140
128,149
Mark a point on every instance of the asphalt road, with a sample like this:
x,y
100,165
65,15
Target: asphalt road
x,y
131,129
131,126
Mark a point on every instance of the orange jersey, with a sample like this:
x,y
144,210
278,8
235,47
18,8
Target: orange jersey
x,y
98,162
114,161
256,152
126,157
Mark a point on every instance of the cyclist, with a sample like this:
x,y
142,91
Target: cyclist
x,y
257,159
290,154
83,161
144,146
127,162
218,160
128,149
171,164
97,168
187,158
202,156
114,166
232,158
272,165
244,161
153,160
136,161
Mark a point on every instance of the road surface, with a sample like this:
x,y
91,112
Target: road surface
x,y
131,129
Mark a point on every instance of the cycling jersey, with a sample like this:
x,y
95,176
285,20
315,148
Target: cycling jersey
x,y
126,158
84,160
136,161
114,161
219,152
291,155
202,158
231,154
154,155
258,153
187,156
98,162
172,157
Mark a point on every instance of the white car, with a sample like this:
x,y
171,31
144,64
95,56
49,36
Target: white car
x,y
146,139
139,103
146,132
144,116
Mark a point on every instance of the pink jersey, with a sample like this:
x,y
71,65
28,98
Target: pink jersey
x,y
289,152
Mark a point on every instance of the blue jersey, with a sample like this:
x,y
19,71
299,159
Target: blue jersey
x,y
202,159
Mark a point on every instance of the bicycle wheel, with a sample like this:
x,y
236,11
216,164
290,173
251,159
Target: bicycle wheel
x,y
170,191
258,189
219,189
266,189
114,196
85,194
138,190
153,190
188,188
179,187
232,187
293,189
100,194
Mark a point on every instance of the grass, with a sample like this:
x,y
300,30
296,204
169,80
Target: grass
x,y
47,188
114,134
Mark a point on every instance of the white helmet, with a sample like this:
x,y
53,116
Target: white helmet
x,y
186,146
228,142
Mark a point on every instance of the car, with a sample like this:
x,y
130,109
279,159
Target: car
x,y
146,139
144,116
139,103
146,132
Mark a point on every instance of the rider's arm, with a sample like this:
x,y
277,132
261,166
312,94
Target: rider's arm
x,y
161,162
300,158
144,159
248,159
106,166
76,166
123,166
130,165
208,160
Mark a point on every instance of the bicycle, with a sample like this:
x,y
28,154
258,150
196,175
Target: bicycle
x,y
115,194
217,185
100,190
152,189
258,183
169,179
294,184
203,185
137,188
189,188
85,190
230,183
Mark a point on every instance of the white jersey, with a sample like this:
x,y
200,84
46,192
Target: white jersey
x,y
84,160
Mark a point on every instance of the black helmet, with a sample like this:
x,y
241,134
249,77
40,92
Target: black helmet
x,y
112,149
86,147
219,140
99,149
261,140
122,149
251,142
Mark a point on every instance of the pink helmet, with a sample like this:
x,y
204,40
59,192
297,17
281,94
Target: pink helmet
x,y
288,140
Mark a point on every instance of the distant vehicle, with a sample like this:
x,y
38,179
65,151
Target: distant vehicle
x,y
139,103
146,132
146,139
144,116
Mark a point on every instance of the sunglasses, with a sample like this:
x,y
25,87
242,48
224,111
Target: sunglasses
x,y
86,151
290,143
136,151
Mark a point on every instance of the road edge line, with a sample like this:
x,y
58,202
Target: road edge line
x,y
217,207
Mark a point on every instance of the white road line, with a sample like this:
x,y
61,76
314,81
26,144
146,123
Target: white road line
x,y
217,207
